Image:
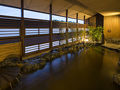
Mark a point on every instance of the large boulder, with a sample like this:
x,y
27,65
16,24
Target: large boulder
x,y
32,65
11,60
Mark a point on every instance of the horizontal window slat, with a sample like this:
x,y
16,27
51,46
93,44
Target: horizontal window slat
x,y
31,50
9,32
55,43
31,46
44,46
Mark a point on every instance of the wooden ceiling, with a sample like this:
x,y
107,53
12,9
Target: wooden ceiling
x,y
105,7
83,7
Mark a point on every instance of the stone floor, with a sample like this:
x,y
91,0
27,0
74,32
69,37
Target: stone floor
x,y
112,46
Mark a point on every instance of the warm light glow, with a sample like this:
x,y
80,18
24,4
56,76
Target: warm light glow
x,y
86,40
110,13
82,39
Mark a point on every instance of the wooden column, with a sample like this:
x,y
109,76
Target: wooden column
x,y
22,30
50,27
84,27
67,26
77,25
84,19
38,43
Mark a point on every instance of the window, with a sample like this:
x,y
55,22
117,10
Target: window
x,y
10,11
74,29
44,46
81,21
62,42
31,31
79,29
70,40
69,30
58,18
32,48
9,32
87,29
36,15
72,20
56,30
44,31
56,43
35,48
63,30
74,39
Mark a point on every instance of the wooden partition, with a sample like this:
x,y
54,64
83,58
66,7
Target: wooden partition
x,y
37,35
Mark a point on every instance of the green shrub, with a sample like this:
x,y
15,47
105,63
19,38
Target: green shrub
x,y
95,33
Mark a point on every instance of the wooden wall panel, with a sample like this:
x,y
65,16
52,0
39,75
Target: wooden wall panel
x,y
36,40
92,21
9,49
96,20
10,45
112,27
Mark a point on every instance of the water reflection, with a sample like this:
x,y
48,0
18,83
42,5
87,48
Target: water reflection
x,y
88,69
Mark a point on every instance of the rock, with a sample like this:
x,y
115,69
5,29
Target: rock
x,y
116,79
7,76
33,65
11,61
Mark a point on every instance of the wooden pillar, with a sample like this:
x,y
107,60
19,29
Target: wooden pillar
x,y
77,25
22,30
67,26
84,27
84,19
38,35
50,26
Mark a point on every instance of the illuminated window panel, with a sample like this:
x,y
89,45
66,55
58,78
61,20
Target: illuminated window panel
x,y
44,46
31,31
72,20
82,29
56,43
58,18
81,21
9,11
63,30
62,42
9,32
4,10
32,48
79,29
74,39
70,40
44,31
87,29
74,30
79,38
36,15
56,30
69,30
